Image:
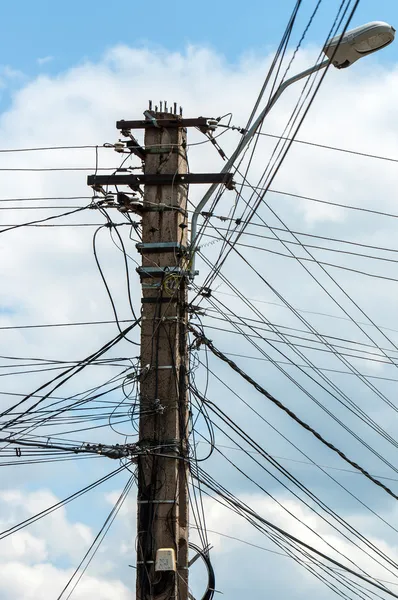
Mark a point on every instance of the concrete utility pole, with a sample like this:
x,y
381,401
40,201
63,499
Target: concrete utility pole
x,y
163,472
162,449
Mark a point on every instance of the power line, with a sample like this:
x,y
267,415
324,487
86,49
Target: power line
x,y
44,198
51,169
291,414
11,227
287,439
248,513
303,462
279,326
329,202
325,345
42,148
36,207
232,246
263,225
320,262
50,509
342,398
335,148
302,310
67,374
247,439
93,549
75,324
281,362
271,171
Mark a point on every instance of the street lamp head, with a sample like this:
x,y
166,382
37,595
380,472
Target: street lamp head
x,y
358,42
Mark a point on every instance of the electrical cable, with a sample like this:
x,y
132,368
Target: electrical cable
x,y
291,414
94,546
61,503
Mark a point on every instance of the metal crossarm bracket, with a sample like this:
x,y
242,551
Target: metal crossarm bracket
x,y
134,146
134,181
171,122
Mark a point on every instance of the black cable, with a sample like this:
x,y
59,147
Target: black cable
x,y
358,412
291,414
42,148
72,212
313,246
232,246
247,511
247,439
316,145
330,203
280,326
79,323
347,363
282,154
106,283
68,373
296,345
279,55
94,546
44,198
298,310
50,509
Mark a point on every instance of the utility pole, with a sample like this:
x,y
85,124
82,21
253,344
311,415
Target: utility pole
x,y
162,450
163,472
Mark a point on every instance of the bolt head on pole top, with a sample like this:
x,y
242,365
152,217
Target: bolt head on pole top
x,y
344,50
163,108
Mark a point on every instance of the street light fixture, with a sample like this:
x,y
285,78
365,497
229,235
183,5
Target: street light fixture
x,y
358,42
342,51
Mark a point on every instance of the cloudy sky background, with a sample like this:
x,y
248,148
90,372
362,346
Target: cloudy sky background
x,y
68,86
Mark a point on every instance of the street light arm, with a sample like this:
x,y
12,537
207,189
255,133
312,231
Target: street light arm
x,y
241,146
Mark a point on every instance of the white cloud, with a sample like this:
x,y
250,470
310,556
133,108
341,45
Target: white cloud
x,y
30,559
25,547
49,275
44,581
57,536
44,60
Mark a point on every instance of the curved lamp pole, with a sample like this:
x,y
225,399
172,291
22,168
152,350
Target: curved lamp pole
x,y
342,51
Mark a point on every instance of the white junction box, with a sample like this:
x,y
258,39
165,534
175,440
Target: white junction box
x,y
165,560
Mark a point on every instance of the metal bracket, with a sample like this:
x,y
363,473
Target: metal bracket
x,y
162,207
161,271
162,150
156,501
172,445
151,286
134,146
157,300
145,248
134,181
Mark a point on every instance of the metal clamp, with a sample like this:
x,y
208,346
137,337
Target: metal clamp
x,y
144,248
145,272
156,501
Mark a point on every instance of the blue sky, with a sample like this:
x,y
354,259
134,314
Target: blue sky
x,y
41,39
72,32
